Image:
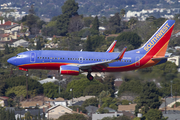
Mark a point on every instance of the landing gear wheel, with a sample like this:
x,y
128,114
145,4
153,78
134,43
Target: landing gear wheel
x,y
90,77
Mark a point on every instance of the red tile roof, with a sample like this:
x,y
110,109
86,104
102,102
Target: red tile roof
x,y
8,23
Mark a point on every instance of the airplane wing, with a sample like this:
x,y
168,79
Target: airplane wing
x,y
105,63
111,47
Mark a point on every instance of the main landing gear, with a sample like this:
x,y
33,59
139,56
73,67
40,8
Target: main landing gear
x,y
89,76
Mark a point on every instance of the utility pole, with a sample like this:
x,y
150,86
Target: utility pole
x,y
72,94
165,105
171,89
27,84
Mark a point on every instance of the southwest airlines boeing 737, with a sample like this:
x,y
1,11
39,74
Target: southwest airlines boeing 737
x,y
76,62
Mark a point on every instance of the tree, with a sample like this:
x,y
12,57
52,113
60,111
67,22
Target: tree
x,y
154,114
88,21
95,89
33,85
6,49
74,116
39,44
132,22
31,11
28,116
31,19
75,24
114,24
62,24
91,101
102,110
167,70
95,26
50,90
148,98
70,8
88,44
118,118
129,37
134,86
18,91
80,85
122,12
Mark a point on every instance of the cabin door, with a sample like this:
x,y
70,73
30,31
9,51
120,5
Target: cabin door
x,y
137,63
32,57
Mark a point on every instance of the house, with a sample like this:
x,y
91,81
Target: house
x,y
115,114
91,110
3,101
168,104
118,82
5,25
82,98
57,111
127,108
48,80
175,59
79,103
172,114
20,42
60,101
8,36
110,110
31,104
21,112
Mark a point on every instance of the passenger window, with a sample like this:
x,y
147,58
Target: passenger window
x,y
50,57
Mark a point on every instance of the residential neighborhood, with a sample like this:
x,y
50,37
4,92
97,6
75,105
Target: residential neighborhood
x,y
148,94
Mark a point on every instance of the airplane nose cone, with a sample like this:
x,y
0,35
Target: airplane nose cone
x,y
11,61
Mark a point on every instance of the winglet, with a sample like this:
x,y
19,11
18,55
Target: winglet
x,y
111,47
120,56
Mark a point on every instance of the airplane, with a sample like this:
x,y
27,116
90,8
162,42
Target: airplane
x,y
76,62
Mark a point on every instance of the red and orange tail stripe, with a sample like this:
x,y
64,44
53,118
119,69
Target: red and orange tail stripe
x,y
112,46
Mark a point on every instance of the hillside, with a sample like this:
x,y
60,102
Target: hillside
x,y
90,7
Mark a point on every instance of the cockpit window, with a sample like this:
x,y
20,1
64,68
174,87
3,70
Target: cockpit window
x,y
19,56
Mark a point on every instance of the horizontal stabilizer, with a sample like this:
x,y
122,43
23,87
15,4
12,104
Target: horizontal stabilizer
x,y
161,58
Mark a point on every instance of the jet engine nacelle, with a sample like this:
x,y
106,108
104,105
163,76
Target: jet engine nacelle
x,y
69,70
